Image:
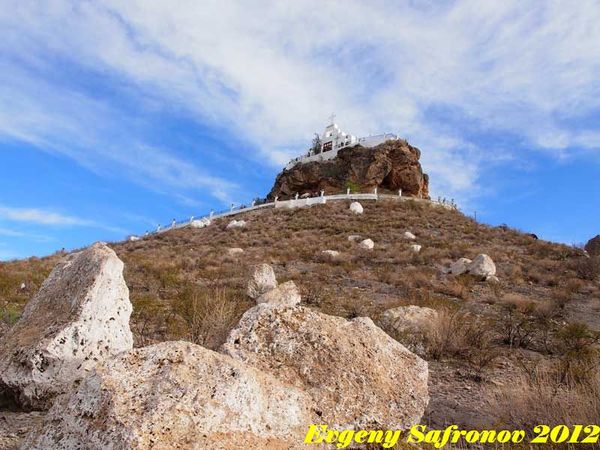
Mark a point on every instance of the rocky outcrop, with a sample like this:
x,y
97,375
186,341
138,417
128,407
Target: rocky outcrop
x,y
409,236
262,280
79,317
356,208
355,373
593,246
200,223
285,294
390,166
175,395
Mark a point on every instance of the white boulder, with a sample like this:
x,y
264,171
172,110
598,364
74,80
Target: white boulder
x,y
234,251
175,395
79,317
408,235
261,281
408,319
367,244
482,266
460,266
356,375
354,237
200,223
416,248
356,208
236,224
285,294
331,253
133,238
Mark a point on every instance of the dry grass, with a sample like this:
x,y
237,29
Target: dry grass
x,y
184,285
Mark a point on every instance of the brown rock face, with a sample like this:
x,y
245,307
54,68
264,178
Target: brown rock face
x,y
390,166
593,246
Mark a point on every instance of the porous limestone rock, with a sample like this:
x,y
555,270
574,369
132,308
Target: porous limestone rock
x,y
331,253
391,166
354,237
200,223
261,281
236,224
593,246
175,395
285,294
79,317
482,266
367,244
408,235
459,266
234,251
416,248
356,208
356,374
407,319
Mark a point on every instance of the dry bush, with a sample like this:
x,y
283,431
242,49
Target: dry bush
x,y
539,397
587,268
462,335
208,314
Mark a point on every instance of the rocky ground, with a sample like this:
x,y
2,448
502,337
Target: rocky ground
x,y
489,339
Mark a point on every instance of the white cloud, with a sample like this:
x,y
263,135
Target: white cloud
x,y
40,216
272,72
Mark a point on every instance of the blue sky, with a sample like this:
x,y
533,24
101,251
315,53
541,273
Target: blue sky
x,y
116,116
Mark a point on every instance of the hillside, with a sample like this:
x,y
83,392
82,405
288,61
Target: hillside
x,y
518,352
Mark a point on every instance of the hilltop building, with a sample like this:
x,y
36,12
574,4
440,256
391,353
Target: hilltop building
x,y
333,140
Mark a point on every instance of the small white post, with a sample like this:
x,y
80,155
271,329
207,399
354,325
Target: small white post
x,y
322,193
158,228
276,198
348,191
399,192
147,233
173,223
375,191
212,213
297,195
253,203
191,219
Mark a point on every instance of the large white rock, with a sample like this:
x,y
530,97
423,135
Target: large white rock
x,y
408,319
285,294
175,395
408,235
356,374
416,248
356,208
262,280
367,244
79,317
200,223
482,266
236,224
459,266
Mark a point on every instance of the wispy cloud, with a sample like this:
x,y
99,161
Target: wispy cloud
x,y
40,216
48,217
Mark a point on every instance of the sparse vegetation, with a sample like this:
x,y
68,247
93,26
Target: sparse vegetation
x,y
521,338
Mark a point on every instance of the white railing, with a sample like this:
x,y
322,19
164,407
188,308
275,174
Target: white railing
x,y
298,202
